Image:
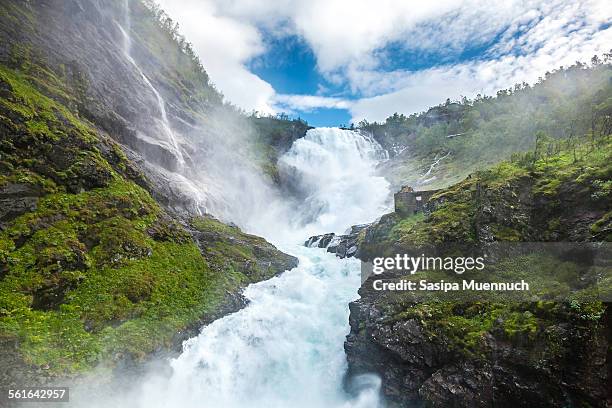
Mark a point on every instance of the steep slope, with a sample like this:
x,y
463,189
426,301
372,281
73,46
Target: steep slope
x,y
102,260
443,145
123,67
548,347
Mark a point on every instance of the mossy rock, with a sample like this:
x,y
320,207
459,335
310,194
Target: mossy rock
x,y
95,270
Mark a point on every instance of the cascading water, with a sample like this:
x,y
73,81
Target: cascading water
x,y
333,170
205,182
161,104
285,349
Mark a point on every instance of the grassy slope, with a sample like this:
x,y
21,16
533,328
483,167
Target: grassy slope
x,y
571,194
563,105
98,269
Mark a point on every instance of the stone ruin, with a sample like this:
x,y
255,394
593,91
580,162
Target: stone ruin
x,y
409,202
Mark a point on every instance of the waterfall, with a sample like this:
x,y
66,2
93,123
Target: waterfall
x,y
161,104
424,179
285,349
333,170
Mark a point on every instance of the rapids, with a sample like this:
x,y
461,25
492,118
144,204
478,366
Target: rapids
x,y
285,349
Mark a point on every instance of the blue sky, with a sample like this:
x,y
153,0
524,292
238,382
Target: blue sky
x,y
332,62
290,66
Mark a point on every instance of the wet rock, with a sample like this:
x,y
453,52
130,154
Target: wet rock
x,y
319,241
17,199
462,385
344,246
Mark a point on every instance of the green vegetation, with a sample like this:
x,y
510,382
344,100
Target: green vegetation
x,y
462,320
561,196
95,270
274,136
162,53
564,105
182,70
559,192
228,248
525,179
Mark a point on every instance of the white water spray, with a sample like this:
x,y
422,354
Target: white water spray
x,y
334,170
285,349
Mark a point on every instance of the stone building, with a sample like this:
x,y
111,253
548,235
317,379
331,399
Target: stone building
x,y
409,202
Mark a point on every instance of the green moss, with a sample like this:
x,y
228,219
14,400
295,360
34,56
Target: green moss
x,y
125,291
505,233
406,226
462,327
451,221
210,224
520,323
240,252
43,116
95,245
97,270
601,227
502,174
461,321
587,305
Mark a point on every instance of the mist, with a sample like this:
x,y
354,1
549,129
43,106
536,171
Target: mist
x,y
285,348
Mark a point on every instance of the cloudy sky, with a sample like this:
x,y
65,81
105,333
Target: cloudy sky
x,y
336,61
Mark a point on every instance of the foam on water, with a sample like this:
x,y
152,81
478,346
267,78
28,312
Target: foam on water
x,y
285,349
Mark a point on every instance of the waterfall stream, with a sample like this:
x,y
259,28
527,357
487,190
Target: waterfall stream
x,y
333,169
161,104
285,349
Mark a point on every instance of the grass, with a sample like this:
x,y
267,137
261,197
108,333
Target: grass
x,y
559,197
118,276
97,271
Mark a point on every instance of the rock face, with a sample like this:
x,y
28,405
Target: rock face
x,y
459,352
77,51
17,199
419,369
99,247
104,87
344,246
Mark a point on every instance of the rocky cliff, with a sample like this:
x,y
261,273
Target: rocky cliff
x,y
103,258
550,348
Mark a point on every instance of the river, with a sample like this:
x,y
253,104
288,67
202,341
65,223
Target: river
x,y
285,349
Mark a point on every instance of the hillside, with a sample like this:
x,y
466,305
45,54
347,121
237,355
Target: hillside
x,y
130,188
103,260
443,145
549,347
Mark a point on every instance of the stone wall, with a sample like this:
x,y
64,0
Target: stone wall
x,y
408,201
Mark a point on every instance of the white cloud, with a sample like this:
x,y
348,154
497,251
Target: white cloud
x,y
554,41
349,40
224,45
309,102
